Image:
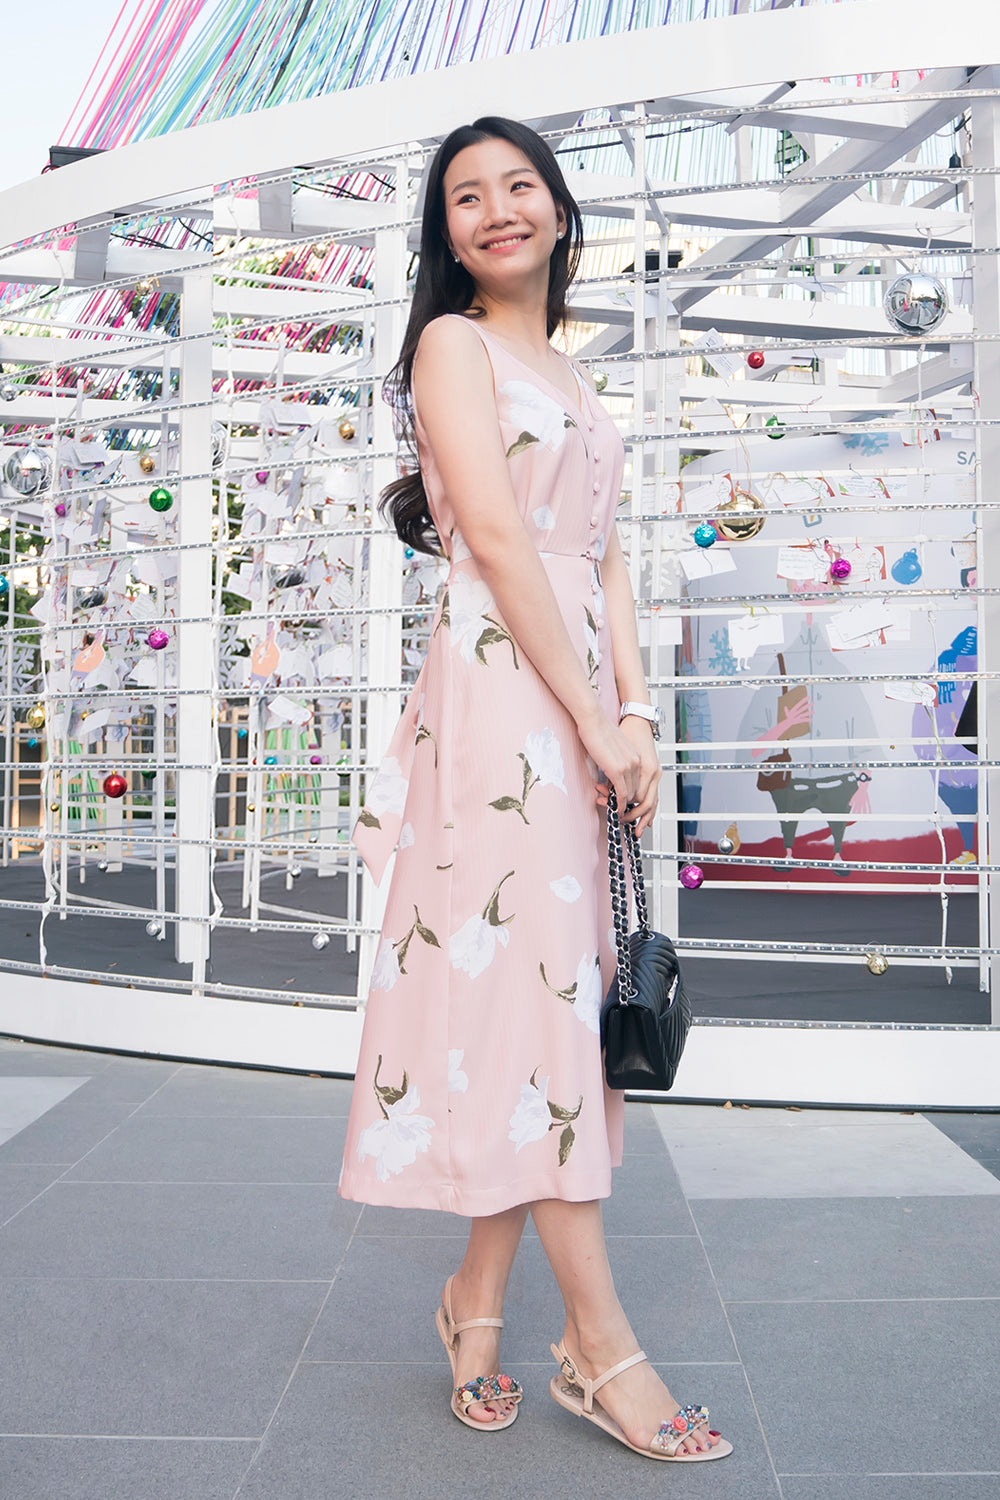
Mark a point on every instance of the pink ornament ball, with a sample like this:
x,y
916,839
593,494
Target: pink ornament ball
x,y
261,476
840,569
157,639
61,507
315,760
692,877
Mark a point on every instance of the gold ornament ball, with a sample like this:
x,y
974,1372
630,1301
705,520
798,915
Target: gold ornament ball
x,y
145,284
347,430
740,518
147,463
600,380
53,807
35,717
251,807
877,963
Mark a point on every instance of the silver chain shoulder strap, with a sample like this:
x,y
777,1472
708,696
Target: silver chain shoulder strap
x,y
619,892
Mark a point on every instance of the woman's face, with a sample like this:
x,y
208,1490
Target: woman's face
x,y
500,217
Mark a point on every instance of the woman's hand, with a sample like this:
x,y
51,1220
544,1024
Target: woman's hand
x,y
627,756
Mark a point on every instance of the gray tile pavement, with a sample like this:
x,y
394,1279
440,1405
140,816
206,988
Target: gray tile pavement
x,y
189,1312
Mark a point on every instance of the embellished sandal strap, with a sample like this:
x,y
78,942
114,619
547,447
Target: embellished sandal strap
x,y
673,1433
489,1388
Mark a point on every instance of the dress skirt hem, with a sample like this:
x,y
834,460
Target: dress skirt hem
x,y
471,1203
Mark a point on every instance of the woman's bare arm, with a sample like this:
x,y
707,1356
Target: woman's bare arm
x,y
629,675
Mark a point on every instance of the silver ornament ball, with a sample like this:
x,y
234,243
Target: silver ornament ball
x,y
27,471
320,941
154,929
726,845
295,871
915,304
8,391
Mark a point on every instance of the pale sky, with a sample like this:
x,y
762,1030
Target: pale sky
x,y
49,50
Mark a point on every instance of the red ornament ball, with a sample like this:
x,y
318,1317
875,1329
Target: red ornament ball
x,y
755,360
115,785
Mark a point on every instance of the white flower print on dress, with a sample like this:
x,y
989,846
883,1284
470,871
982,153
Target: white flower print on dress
x,y
468,601
401,1135
592,642
537,414
584,994
463,610
531,1119
588,997
544,755
458,1081
386,795
386,970
406,836
543,518
567,888
474,945
541,765
536,1115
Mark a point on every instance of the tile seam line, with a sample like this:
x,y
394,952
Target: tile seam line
x,y
67,1166
297,1364
848,1301
725,1313
125,1437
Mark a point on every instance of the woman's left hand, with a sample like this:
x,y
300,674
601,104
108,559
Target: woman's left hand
x,y
640,732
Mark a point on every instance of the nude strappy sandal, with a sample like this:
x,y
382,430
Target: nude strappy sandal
x,y
576,1393
484,1387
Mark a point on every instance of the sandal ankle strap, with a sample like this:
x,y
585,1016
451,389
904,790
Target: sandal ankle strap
x,y
591,1387
477,1323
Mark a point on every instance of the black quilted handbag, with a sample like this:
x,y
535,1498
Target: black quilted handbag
x,y
646,1014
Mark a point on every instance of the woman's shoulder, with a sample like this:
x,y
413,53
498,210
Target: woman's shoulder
x,y
450,336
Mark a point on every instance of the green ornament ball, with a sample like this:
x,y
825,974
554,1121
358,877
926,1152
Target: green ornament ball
x,y
160,499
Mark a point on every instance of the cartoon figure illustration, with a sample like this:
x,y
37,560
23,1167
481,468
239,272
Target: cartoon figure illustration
x,y
957,781
830,711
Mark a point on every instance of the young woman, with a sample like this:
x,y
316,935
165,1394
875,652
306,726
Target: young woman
x,y
479,1087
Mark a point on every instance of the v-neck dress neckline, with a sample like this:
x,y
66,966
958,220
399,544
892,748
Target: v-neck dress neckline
x,y
578,408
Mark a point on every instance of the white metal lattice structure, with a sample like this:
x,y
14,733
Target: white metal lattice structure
x,y
872,189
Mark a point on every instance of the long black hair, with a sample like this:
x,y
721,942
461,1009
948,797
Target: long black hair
x,y
445,286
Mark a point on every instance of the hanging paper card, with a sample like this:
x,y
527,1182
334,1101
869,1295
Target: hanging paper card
x,y
287,712
860,626
748,632
802,564
336,662
145,672
713,346
912,692
705,563
669,630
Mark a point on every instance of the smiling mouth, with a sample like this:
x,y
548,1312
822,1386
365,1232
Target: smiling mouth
x,y
505,244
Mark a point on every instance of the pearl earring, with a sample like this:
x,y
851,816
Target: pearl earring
x,y
456,259
560,233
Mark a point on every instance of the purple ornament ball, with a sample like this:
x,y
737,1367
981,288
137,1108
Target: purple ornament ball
x,y
840,569
315,760
261,476
157,639
61,507
692,877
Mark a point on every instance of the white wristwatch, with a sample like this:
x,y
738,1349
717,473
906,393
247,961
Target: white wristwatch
x,y
643,711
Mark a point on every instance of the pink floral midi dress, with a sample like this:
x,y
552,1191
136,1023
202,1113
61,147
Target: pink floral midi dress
x,y
479,1082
